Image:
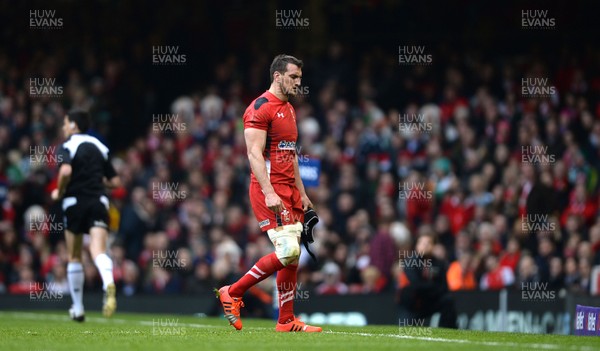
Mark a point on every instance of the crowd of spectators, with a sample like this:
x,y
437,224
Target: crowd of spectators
x,y
507,183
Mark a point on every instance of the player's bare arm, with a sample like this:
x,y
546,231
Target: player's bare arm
x,y
64,176
306,203
255,144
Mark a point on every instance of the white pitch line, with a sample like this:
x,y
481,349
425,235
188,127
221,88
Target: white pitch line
x,y
465,341
37,316
57,317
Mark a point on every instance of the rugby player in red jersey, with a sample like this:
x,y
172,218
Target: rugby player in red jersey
x,y
276,193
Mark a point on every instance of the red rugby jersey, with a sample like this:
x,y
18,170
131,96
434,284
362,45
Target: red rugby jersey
x,y
278,118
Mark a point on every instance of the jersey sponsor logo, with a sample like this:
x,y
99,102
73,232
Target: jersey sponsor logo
x,y
280,114
287,145
264,223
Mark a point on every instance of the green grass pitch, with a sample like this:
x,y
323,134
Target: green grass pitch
x,y
49,331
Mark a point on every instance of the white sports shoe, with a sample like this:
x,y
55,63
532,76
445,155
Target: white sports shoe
x,y
75,317
110,300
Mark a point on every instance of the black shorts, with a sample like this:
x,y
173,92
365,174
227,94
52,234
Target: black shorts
x,y
82,213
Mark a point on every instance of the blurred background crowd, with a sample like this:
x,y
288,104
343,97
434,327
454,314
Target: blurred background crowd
x,y
182,221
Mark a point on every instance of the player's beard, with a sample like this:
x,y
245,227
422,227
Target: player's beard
x,y
287,92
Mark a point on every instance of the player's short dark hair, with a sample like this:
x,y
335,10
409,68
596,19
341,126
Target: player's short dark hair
x,y
81,118
280,63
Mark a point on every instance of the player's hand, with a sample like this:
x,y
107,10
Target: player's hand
x,y
55,195
273,202
306,203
